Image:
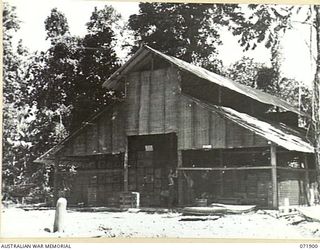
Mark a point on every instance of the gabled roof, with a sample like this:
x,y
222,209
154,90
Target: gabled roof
x,y
55,149
145,51
277,133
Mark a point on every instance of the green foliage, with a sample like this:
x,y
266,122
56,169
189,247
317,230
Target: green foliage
x,y
248,72
244,71
74,68
28,129
187,31
263,24
56,25
97,61
43,90
266,24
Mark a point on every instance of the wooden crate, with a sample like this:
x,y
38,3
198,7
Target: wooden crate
x,y
129,200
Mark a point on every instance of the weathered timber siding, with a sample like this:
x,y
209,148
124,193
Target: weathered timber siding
x,y
291,186
151,102
154,105
199,126
105,135
248,187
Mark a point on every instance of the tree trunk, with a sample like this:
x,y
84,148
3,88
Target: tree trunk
x,y
316,89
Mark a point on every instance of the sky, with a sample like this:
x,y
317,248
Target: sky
x,y
32,13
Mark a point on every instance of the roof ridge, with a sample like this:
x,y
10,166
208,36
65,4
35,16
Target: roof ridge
x,y
242,89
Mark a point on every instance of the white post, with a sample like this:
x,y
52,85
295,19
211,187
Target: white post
x,y
59,218
136,196
312,196
286,205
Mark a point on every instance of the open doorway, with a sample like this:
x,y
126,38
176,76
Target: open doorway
x,y
150,159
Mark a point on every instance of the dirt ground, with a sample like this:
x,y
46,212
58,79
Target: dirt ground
x,y
261,224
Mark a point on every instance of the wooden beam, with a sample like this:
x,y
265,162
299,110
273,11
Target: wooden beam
x,y
180,178
307,180
193,125
55,180
273,155
226,169
93,171
99,149
210,127
245,168
164,105
149,96
222,172
85,140
139,92
125,168
296,169
111,132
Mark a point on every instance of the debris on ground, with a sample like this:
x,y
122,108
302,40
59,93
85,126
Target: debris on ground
x,y
235,209
203,210
312,213
259,224
201,218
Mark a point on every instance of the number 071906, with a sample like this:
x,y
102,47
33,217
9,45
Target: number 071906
x,y
308,245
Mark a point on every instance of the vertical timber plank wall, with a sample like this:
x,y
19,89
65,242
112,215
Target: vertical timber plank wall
x,y
202,126
185,124
151,100
156,112
133,103
290,186
105,135
199,126
92,138
118,130
171,99
144,104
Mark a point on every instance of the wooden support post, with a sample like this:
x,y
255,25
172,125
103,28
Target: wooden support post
x,y
55,181
180,178
125,168
307,179
221,173
193,125
219,94
273,153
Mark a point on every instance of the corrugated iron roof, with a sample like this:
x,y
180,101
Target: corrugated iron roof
x,y
206,75
277,133
50,154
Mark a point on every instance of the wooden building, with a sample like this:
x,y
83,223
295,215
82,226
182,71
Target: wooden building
x,y
228,142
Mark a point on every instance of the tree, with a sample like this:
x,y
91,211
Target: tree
x,y
56,25
316,87
264,25
97,61
13,106
75,68
187,31
28,128
244,71
256,75
41,89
